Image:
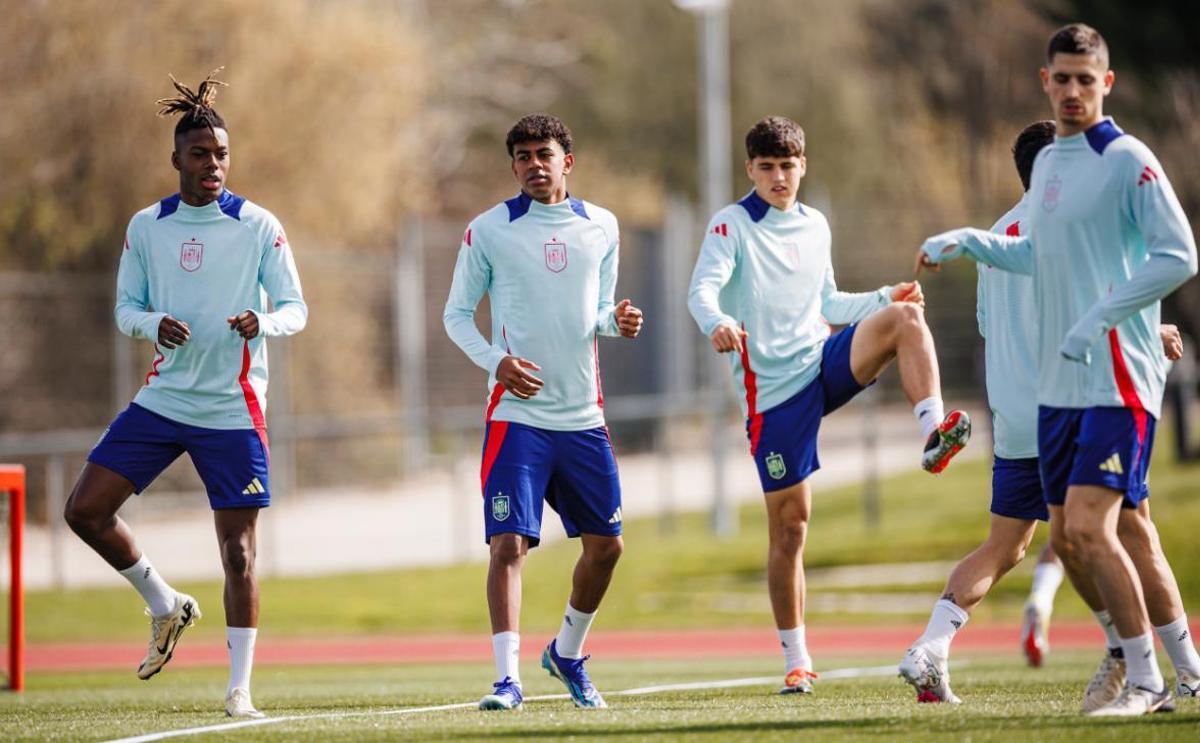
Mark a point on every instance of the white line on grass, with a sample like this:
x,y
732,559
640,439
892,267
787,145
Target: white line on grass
x,y
837,673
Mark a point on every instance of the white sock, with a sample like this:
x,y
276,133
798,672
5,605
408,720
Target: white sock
x,y
795,650
1141,665
154,590
1176,639
506,647
575,626
930,413
240,641
1110,630
1047,577
946,619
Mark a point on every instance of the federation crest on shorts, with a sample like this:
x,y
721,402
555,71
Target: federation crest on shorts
x,y
1050,195
775,466
556,256
191,254
500,509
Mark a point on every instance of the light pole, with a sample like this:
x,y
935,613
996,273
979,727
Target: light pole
x,y
715,177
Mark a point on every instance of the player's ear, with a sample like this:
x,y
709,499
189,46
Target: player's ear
x,y
1109,78
803,165
568,162
175,160
750,169
1045,75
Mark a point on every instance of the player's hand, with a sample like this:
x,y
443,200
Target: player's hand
x,y
1172,342
245,323
923,261
173,333
908,291
727,338
511,372
629,319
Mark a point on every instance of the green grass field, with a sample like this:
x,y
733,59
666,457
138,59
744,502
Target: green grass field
x,y
1003,700
678,578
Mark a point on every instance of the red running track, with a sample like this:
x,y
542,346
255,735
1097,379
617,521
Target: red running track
x,y
731,643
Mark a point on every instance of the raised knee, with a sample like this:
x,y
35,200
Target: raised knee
x,y
790,535
1012,557
81,519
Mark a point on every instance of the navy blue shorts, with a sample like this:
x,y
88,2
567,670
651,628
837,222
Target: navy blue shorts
x,y
1105,446
139,444
783,440
1017,489
574,471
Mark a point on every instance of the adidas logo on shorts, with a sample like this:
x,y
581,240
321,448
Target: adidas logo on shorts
x,y
616,517
1113,465
254,488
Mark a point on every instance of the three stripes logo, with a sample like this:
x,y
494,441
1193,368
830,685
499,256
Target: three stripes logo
x,y
721,229
1113,465
1147,176
616,517
254,488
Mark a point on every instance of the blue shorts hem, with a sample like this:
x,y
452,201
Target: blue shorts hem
x,y
137,487
534,538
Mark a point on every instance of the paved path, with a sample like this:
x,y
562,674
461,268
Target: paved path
x,y
436,519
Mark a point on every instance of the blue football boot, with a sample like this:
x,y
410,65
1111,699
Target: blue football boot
x,y
507,695
570,671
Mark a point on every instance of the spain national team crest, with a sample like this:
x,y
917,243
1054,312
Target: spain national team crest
x,y
500,509
775,466
191,254
556,256
1050,195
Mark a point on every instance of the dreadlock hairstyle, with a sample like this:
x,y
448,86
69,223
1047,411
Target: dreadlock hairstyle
x,y
194,108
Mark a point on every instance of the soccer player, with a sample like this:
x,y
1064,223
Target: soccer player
x,y
763,291
1007,321
1111,241
548,263
195,274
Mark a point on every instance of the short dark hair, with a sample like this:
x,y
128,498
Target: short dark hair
x,y
538,128
1078,38
775,136
1028,144
194,108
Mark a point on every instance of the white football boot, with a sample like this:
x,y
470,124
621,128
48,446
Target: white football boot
x,y
1107,682
239,706
165,632
1134,701
929,675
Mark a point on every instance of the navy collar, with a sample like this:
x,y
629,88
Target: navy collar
x,y
1101,135
757,207
229,203
519,205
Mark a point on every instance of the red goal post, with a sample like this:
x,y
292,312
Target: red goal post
x,y
12,485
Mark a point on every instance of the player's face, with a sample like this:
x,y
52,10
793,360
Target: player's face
x,y
541,168
776,179
202,158
1076,85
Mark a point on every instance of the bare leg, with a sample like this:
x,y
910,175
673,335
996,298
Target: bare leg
x,y
91,512
594,570
1072,561
1091,527
897,332
1140,539
1047,554
237,539
508,553
787,524
976,573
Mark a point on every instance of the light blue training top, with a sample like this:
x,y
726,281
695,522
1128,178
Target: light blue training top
x,y
1111,241
202,265
770,272
549,272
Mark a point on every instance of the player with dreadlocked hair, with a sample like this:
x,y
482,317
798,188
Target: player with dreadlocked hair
x,y
205,310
